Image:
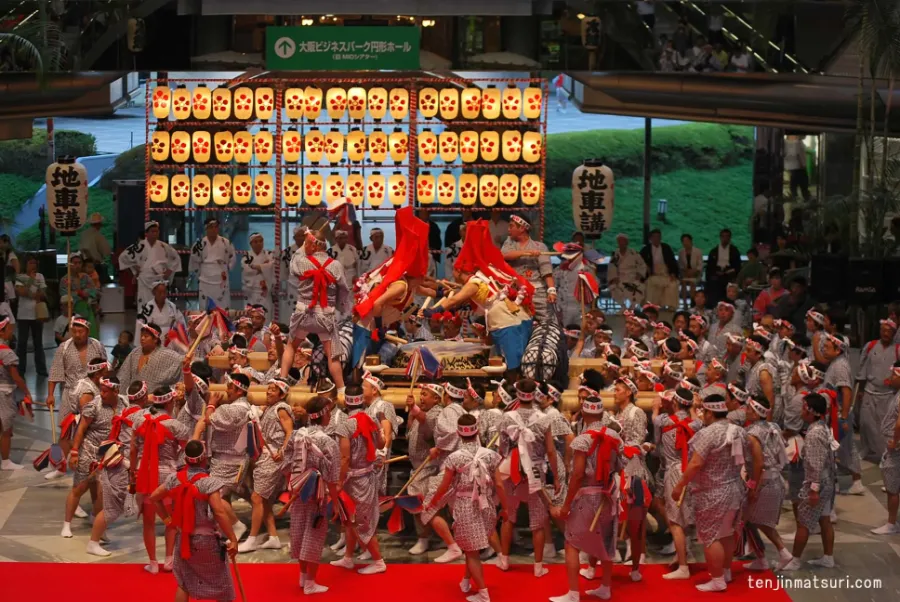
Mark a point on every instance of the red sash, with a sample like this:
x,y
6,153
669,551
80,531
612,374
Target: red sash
x,y
184,511
603,446
122,419
832,397
154,434
632,451
366,428
321,279
683,434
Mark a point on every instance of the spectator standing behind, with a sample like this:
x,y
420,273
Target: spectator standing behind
x,y
753,272
668,58
722,265
627,274
562,97
83,292
793,307
94,247
721,57
662,282
768,299
31,290
690,265
795,165
741,61
61,325
122,349
647,12
715,24
681,39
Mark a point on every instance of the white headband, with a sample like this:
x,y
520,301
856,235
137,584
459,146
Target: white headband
x,y
690,386
522,395
505,397
374,381
454,392
282,385
150,224
683,401
472,392
81,322
201,384
554,393
237,385
816,317
94,368
353,400
161,400
434,388
151,330
109,384
715,406
759,408
738,393
139,394
628,383
520,221
467,430
592,407
255,235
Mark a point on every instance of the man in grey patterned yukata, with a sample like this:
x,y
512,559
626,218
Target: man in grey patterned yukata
x,y
725,325
423,418
890,461
524,255
875,366
150,362
547,398
839,378
762,376
10,380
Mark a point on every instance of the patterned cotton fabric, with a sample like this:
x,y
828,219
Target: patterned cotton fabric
x,y
683,515
474,505
818,467
267,478
163,369
766,509
362,480
68,368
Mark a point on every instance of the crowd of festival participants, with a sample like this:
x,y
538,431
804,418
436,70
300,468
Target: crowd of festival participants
x,y
735,422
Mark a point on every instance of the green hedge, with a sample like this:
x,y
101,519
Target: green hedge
x,y
99,201
28,157
689,146
130,165
14,192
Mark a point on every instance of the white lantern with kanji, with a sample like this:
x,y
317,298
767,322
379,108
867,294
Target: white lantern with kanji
x,y
378,102
509,189
221,189
312,103
162,102
264,99
356,188
243,103
378,146
201,146
488,189
446,188
313,188
334,188
202,102
221,103
181,190
224,145
448,145
356,145
291,145
593,198
181,147
242,188
263,146
511,144
356,103
490,145
201,190
530,186
243,147
314,146
375,189
490,102
512,102
291,188
397,193
159,188
293,104
263,189
532,102
449,102
334,146
425,188
181,103
428,102
159,145
399,103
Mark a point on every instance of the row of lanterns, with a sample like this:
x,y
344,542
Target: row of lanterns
x,y
490,103
374,190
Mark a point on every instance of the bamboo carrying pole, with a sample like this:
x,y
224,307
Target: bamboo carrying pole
x,y
69,278
237,574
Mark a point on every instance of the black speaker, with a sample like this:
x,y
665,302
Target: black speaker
x,y
891,279
826,277
129,204
865,282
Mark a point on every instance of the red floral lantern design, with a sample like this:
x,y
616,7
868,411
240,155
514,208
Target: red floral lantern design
x,y
488,189
201,190
202,102
243,103
509,189
531,147
397,189
356,146
531,189
334,146
314,145
448,142
468,189
512,102
449,103
428,102
162,102
264,189
446,188
428,146
511,142
291,188
356,188
313,189
221,189
243,147
334,188
221,103
399,103
471,102
291,145
378,146
532,102
378,102
263,146
224,144
356,103
336,103
264,99
242,188
159,145
490,102
375,189
425,188
490,146
201,145
159,188
181,103
468,146
293,103
312,103
181,147
399,145
181,190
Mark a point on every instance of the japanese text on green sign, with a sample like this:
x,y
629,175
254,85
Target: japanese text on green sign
x,y
342,48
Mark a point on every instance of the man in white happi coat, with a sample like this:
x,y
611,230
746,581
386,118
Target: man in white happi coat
x,y
289,291
211,258
875,370
160,311
258,273
524,254
373,255
150,260
627,274
345,254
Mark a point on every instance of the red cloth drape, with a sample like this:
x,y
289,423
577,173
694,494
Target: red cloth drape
x,y
683,434
154,435
184,511
321,279
366,428
603,446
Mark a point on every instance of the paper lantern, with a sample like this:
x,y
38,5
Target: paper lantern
x,y
201,190
293,103
399,103
531,189
428,146
512,102
375,186
398,145
291,145
468,189
428,102
356,188
181,103
243,147
181,190
201,145
490,146
511,142
468,146
159,188
263,146
224,144
378,146
446,188
470,102
312,103
202,102
181,147
488,189
449,103
531,147
334,188
162,102
221,103
314,145
159,145
356,146
242,188
593,197
448,143
490,102
532,102
243,103
263,189
509,189
312,189
221,189
378,103
397,189
291,187
264,99
356,103
425,188
334,146
336,103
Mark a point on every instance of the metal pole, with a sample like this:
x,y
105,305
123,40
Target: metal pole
x,y
648,146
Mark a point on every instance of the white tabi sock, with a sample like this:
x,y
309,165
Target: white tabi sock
x,y
66,530
94,549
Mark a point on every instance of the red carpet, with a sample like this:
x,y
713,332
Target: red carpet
x,y
436,583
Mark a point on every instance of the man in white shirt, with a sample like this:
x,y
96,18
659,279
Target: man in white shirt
x,y
373,255
722,266
647,11
662,283
150,260
346,255
795,164
211,258
289,294
499,228
160,311
690,265
258,273
627,274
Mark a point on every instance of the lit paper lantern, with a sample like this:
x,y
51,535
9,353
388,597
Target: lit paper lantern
x,y
428,146
181,190
263,146
264,189
224,144
181,147
291,188
468,146
490,146
425,188
221,103
159,145
428,102
356,146
221,189
375,186
334,188
293,103
312,103
201,190
511,143
488,189
291,145
378,102
336,103
397,193
532,102
449,102
264,99
509,189
356,188
446,188
243,103
490,102
242,188
399,103
531,189
243,147
162,102
470,102
448,143
201,145
356,103
378,146
312,189
202,102
531,147
512,102
181,103
159,188
399,145
468,189
314,146
334,146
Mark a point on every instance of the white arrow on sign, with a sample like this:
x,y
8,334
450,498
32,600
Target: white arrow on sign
x,y
285,47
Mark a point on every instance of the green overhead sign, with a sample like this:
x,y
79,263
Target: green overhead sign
x,y
342,48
